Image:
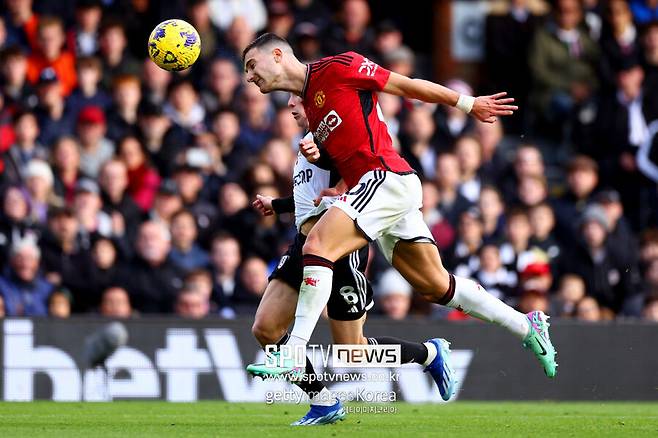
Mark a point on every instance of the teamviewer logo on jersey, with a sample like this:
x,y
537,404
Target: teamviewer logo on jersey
x,y
368,67
328,124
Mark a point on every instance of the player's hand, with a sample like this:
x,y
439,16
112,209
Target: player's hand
x,y
488,108
309,150
264,205
331,191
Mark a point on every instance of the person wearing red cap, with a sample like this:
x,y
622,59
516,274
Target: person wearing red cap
x,y
96,148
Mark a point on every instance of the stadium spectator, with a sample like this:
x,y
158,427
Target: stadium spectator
x,y
15,222
452,203
620,234
184,109
650,54
450,122
517,237
315,12
96,148
25,149
39,181
493,276
588,309
167,202
393,295
610,278
534,273
2,307
492,209
117,60
280,19
51,53
416,141
115,303
21,24
113,182
391,108
442,231
64,256
54,119
532,191
508,33
542,224
18,92
570,291
353,31
155,82
237,36
286,128
190,182
651,279
223,84
582,181
563,62
226,127
256,127
104,272
528,161
24,290
87,205
59,303
223,12
200,280
225,260
152,280
65,158
198,12
143,180
469,154
281,158
191,304
126,93
463,257
619,40
82,38
185,252
533,301
307,37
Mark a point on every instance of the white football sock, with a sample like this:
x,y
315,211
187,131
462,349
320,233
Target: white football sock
x,y
431,353
313,297
472,299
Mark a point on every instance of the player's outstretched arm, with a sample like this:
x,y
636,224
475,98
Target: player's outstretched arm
x,y
483,108
264,205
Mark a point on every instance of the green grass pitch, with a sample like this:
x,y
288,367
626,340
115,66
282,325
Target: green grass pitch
x,y
220,419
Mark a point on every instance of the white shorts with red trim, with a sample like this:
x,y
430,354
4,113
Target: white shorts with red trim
x,y
385,206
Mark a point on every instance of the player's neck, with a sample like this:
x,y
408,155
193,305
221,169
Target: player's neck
x,y
294,78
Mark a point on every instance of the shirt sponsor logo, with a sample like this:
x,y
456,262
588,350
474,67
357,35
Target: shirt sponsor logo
x,y
368,67
319,98
328,124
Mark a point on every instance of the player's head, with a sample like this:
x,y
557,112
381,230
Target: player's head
x,y
263,60
295,105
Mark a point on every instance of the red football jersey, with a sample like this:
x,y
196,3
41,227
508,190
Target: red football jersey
x,y
340,101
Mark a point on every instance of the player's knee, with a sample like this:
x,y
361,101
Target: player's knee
x,y
266,333
313,246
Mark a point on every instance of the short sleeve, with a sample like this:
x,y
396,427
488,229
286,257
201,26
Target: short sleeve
x,y
365,74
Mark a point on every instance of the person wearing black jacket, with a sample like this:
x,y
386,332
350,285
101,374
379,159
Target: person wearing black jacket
x,y
612,279
152,280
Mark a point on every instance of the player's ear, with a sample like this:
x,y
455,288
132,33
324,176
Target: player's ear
x,y
278,53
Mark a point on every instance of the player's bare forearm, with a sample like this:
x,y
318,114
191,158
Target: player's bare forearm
x,y
483,108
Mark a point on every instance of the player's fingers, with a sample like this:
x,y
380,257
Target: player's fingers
x,y
499,95
505,101
507,107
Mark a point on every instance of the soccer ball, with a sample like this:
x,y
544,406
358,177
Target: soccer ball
x,y
174,45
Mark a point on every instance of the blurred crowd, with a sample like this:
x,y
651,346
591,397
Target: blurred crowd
x,y
126,190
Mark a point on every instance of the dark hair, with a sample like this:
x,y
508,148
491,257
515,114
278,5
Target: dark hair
x,y
262,40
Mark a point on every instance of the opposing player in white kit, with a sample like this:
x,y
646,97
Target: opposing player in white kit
x,y
351,295
340,98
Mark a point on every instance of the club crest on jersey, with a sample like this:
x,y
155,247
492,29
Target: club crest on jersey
x,y
319,98
368,67
328,124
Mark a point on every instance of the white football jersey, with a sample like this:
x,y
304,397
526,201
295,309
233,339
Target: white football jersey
x,y
308,180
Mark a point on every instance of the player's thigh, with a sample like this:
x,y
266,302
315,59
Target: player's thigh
x,y
334,236
348,332
275,312
420,264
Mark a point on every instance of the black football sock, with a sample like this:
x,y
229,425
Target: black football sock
x,y
411,352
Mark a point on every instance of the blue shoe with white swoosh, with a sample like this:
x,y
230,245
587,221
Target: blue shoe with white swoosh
x,y
319,415
440,369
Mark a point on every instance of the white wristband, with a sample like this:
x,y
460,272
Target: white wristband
x,y
465,103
